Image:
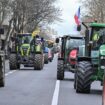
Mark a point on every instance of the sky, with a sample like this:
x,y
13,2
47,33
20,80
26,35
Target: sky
x,y
69,8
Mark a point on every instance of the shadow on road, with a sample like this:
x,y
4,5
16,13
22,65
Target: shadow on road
x,y
96,92
69,79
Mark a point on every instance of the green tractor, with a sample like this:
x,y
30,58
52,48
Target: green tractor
x,y
26,50
91,66
67,55
103,94
2,59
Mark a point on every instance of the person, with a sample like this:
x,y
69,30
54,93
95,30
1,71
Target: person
x,y
95,39
95,36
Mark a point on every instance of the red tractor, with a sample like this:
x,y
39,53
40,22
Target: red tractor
x,y
68,53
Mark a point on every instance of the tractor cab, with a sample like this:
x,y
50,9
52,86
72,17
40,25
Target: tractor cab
x,y
23,46
67,56
96,41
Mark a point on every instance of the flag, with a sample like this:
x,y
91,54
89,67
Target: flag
x,y
77,17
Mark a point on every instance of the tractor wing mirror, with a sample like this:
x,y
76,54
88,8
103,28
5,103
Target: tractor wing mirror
x,y
57,40
1,30
79,28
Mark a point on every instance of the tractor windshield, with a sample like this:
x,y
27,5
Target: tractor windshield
x,y
96,38
74,43
95,33
24,39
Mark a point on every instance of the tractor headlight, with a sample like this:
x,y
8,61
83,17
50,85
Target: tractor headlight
x,y
102,62
103,57
102,67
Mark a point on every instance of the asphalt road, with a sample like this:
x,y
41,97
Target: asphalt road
x,y
30,87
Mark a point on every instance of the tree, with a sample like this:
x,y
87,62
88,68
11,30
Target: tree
x,y
28,14
94,9
4,9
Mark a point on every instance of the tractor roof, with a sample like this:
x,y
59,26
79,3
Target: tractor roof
x,y
74,36
24,34
97,24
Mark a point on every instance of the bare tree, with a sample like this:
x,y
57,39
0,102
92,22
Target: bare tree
x,y
41,11
4,7
29,14
94,9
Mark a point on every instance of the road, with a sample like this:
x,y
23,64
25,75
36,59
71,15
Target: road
x,y
30,87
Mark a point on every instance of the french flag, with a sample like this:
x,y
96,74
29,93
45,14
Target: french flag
x,y
77,17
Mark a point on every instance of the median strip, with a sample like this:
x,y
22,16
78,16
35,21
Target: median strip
x,y
56,93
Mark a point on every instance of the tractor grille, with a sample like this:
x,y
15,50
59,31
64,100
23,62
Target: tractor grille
x,y
25,51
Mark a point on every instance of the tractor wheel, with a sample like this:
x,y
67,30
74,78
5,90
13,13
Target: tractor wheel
x,y
83,77
75,81
46,58
60,70
38,62
42,61
2,70
13,62
50,59
103,98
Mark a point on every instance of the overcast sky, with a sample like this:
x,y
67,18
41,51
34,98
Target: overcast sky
x,y
69,8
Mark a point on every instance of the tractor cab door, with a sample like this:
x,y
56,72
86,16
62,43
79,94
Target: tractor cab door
x,y
64,52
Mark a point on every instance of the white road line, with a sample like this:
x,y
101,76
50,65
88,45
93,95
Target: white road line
x,y
10,73
56,93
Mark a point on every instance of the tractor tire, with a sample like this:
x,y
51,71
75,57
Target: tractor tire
x,y
75,81
103,94
42,61
60,70
83,77
46,58
50,59
2,71
38,62
13,62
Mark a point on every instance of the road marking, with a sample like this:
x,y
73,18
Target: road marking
x,y
10,73
56,93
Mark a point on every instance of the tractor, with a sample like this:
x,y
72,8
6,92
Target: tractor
x,y
103,95
2,59
51,49
90,67
46,50
26,50
67,55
